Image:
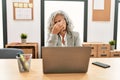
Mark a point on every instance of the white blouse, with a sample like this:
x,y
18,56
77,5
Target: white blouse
x,y
65,39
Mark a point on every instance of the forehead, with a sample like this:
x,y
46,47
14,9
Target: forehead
x,y
58,16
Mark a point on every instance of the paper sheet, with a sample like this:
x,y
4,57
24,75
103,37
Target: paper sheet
x,y
23,13
98,4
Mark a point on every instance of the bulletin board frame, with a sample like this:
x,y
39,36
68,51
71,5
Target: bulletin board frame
x,y
23,10
102,15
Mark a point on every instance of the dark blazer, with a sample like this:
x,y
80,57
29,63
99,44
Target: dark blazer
x,y
73,39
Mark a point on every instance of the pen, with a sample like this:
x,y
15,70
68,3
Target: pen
x,y
23,62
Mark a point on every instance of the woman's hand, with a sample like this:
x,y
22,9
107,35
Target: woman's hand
x,y
58,27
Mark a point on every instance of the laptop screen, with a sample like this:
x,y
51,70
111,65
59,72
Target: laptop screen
x,y
65,59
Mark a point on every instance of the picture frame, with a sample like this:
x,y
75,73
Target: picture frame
x,y
23,10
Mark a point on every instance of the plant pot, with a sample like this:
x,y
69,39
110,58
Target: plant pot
x,y
112,47
23,40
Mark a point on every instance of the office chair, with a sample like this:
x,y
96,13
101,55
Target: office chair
x,y
9,53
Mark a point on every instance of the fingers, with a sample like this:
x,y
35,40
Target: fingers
x,y
57,27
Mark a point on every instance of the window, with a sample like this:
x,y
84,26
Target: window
x,y
75,9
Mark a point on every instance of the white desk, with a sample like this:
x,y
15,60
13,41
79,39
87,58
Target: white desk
x,y
9,71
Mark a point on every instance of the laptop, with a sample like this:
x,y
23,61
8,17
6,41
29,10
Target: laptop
x,y
65,59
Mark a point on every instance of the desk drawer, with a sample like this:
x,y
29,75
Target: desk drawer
x,y
115,53
105,53
27,51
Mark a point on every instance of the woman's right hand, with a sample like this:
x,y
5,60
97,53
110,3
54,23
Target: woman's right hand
x,y
57,27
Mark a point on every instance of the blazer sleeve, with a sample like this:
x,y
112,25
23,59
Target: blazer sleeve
x,y
77,39
52,40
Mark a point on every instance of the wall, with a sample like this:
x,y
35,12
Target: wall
x,y
118,28
15,28
97,31
1,28
100,31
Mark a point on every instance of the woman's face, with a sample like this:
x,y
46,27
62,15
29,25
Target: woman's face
x,y
59,19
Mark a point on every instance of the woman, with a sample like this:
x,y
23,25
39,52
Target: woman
x,y
60,31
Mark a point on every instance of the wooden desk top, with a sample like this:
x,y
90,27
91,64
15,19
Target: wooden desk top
x,y
22,44
9,71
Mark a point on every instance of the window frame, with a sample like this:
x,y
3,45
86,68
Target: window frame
x,y
85,19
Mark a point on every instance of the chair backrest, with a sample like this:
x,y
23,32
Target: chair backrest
x,y
9,53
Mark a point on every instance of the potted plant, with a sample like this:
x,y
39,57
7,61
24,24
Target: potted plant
x,y
112,44
23,37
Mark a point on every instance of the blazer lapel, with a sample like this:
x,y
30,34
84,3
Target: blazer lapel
x,y
70,41
59,41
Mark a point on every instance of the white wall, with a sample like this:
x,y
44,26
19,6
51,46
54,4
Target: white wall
x,y
1,28
15,28
76,16
100,31
118,28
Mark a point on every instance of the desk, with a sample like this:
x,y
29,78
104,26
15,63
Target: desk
x,y
31,47
9,71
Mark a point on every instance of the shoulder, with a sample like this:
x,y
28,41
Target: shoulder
x,y
74,33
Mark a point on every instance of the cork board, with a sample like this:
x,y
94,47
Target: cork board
x,y
102,15
23,10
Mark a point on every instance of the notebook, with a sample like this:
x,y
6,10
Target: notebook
x,y
65,59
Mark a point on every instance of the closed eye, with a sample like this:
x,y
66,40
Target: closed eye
x,y
57,21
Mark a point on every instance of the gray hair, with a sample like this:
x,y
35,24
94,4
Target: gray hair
x,y
68,21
